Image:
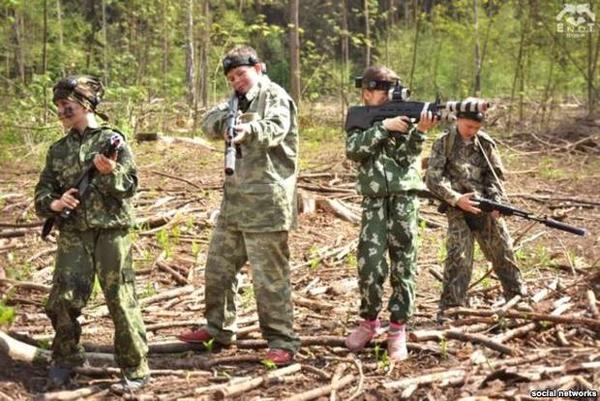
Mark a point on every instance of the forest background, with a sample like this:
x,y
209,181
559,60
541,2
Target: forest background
x,y
160,59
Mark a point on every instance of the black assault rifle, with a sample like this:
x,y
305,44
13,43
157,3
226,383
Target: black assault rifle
x,y
487,205
363,117
232,151
110,147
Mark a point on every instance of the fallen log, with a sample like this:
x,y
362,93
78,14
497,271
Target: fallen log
x,y
338,209
27,285
479,339
593,323
456,376
19,351
68,395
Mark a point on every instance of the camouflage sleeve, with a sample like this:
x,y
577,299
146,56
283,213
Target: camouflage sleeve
x,y
435,179
46,190
123,181
361,144
493,189
213,123
271,130
414,145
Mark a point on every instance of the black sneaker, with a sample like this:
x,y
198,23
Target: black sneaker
x,y
129,385
60,376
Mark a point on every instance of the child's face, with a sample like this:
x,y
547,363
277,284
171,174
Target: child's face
x,y
467,128
71,114
243,78
374,97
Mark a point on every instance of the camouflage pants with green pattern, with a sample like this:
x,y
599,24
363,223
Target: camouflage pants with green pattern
x,y
268,254
495,243
389,225
80,256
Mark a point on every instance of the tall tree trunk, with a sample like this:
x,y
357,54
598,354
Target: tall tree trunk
x,y
59,27
206,44
477,81
345,56
44,65
190,56
165,50
518,67
19,51
415,45
592,68
294,51
105,72
367,34
345,34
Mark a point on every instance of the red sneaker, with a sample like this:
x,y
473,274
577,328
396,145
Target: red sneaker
x,y
280,357
396,342
195,336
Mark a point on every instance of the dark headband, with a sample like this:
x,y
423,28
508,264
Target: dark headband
x,y
373,84
234,61
471,115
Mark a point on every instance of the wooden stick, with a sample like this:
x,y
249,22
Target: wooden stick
x,y
162,265
591,299
68,395
457,374
175,178
238,388
28,285
516,332
320,391
593,323
478,338
339,371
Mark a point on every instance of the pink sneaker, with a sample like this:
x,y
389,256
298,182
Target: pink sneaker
x,y
396,342
361,336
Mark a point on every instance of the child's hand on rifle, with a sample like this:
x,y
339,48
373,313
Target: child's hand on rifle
x,y
397,124
242,132
67,200
105,165
426,122
467,204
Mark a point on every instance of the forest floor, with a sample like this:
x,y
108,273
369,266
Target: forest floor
x,y
489,351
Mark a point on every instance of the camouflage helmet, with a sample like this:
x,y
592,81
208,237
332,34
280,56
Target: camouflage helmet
x,y
83,89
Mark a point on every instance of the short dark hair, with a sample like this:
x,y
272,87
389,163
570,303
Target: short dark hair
x,y
378,73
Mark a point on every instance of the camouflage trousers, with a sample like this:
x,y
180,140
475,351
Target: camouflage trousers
x,y
268,254
80,256
389,225
495,243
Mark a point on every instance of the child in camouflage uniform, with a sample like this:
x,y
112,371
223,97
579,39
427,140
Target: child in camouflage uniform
x,y
388,176
465,162
94,239
257,211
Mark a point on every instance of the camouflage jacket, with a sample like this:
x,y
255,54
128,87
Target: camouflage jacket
x,y
107,204
457,166
261,195
387,165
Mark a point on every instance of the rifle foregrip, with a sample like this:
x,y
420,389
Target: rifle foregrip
x,y
565,227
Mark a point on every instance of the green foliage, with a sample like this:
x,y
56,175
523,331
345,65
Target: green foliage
x,y
382,357
164,241
7,315
97,288
209,345
269,364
